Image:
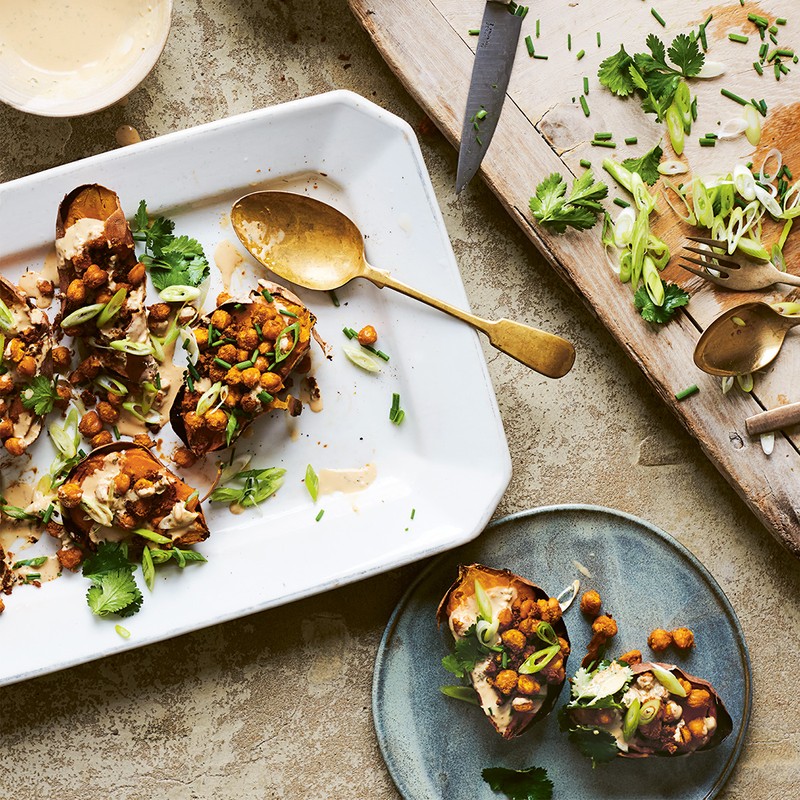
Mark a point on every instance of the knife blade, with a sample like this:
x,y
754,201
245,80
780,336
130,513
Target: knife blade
x,y
494,58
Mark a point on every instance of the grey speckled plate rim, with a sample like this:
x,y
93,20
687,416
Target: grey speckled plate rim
x,y
408,793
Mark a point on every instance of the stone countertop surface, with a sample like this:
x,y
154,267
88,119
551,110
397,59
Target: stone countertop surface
x,y
277,705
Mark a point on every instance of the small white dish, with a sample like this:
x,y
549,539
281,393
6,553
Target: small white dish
x,y
79,57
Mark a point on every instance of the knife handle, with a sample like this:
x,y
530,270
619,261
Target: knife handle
x,y
773,420
544,352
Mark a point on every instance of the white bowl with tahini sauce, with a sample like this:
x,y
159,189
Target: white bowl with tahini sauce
x,y
72,57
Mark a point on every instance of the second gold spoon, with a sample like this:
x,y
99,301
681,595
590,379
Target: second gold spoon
x,y
310,243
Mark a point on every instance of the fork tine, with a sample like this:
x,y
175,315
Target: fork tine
x,y
710,242
706,265
726,262
699,273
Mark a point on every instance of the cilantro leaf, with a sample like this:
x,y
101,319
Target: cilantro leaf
x,y
596,743
674,298
656,47
552,208
686,54
646,165
114,593
39,394
520,784
110,556
615,75
466,654
256,486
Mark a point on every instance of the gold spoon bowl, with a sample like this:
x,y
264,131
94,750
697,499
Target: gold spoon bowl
x,y
310,243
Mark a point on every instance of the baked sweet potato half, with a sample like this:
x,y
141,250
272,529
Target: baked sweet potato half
x,y
641,710
122,492
103,284
511,645
245,353
27,369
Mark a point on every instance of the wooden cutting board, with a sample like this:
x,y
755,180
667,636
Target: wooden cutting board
x,y
543,130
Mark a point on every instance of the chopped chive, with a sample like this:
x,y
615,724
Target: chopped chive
x,y
621,203
586,86
378,353
707,142
349,333
780,21
603,136
334,298
783,68
731,96
413,513
267,296
116,430
763,106
773,38
569,41
794,58
474,31
598,39
580,55
761,22
703,39
319,516
258,330
777,70
738,37
529,45
585,163
32,576
585,106
478,140
222,363
631,140
254,356
291,314
243,365
711,136
48,513
658,17
694,109
537,28
757,68
395,402
193,370
481,114
687,392
762,51
773,29
596,143
542,58
265,397
787,172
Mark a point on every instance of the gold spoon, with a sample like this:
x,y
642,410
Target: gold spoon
x,y
743,339
312,244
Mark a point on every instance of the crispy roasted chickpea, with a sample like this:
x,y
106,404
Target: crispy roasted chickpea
x,y
248,339
242,355
683,638
184,457
136,274
104,296
95,277
234,396
271,382
227,353
88,398
46,288
64,395
697,698
686,734
525,608
549,609
70,558
122,482
144,487
143,440
514,640
527,685
70,494
251,404
115,400
505,618
223,297
62,358
6,383
564,645
102,438
260,313
216,372
272,329
55,529
220,319
367,335
27,366
201,336
632,657
529,626
90,424
216,420
233,377
6,428
76,292
141,507
659,640
15,351
591,603
159,312
193,421
126,520
261,364
264,348
697,727
506,681
251,377
605,626
107,412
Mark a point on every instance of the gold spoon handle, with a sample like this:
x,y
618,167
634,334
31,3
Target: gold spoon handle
x,y
544,352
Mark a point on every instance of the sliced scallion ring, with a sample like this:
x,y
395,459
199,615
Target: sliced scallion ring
x,y
152,536
62,440
6,317
79,316
545,632
487,632
768,443
538,661
134,348
745,382
649,709
112,307
101,514
672,167
179,294
711,69
465,693
112,385
631,721
190,344
208,398
483,601
668,681
158,349
361,358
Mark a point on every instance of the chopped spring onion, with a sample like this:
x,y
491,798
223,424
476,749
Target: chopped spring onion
x,y
7,318
483,602
361,359
123,632
209,398
599,40
623,228
179,294
711,69
731,96
586,86
672,167
133,348
538,660
70,321
621,203
676,130
152,536
580,55
745,382
112,308
758,68
687,392
585,163
669,681
474,31
465,693
658,17
111,385
727,384
753,129
529,45
705,142
569,41
631,139
738,37
768,443
584,105
596,143
603,136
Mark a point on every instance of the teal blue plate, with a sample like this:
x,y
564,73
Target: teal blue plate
x,y
435,747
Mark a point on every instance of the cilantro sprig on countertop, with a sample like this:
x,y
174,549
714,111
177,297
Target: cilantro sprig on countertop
x,y
39,395
114,589
555,209
466,654
650,74
646,165
172,260
520,784
674,298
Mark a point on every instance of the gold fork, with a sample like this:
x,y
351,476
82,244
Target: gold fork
x,y
732,274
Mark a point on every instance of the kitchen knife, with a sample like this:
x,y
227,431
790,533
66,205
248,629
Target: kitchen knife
x,y
494,58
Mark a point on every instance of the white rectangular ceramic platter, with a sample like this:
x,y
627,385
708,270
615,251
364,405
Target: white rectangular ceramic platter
x,y
448,460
